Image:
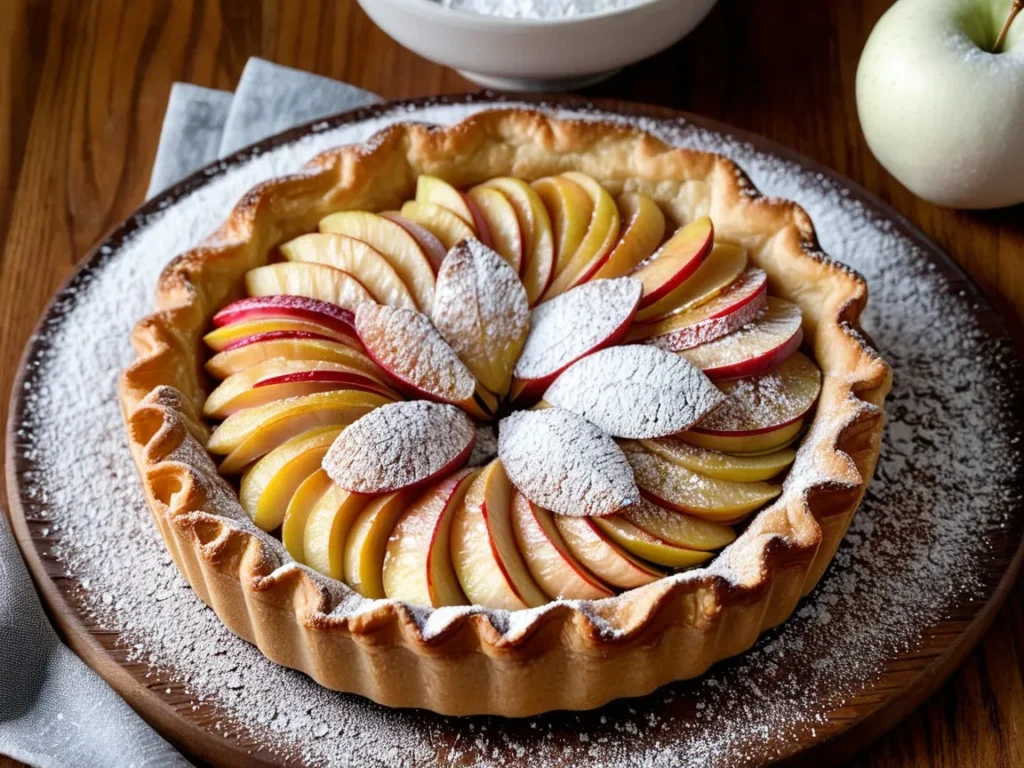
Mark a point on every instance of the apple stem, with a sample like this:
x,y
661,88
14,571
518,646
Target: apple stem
x,y
1017,7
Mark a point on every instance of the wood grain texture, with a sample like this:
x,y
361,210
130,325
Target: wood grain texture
x,y
83,83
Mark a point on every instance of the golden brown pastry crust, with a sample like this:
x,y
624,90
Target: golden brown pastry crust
x,y
567,655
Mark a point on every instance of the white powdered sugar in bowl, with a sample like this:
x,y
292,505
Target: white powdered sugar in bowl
x,y
539,9
943,497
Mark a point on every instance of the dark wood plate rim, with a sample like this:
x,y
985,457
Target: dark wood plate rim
x,y
198,741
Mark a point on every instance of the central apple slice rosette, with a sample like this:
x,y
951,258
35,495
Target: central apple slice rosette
x,y
506,395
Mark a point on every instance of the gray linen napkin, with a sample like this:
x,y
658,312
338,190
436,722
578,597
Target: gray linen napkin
x,y
54,711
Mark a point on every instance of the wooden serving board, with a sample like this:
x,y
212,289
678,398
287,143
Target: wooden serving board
x,y
837,713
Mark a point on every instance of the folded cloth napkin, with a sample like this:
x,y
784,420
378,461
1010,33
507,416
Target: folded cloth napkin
x,y
54,711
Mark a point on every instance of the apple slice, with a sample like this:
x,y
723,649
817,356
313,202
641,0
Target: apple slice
x,y
431,189
676,260
262,348
636,391
650,548
720,269
759,346
503,224
677,528
550,562
409,349
362,261
229,336
577,323
675,487
743,469
314,281
760,443
432,248
269,485
766,402
740,303
442,223
249,434
417,564
597,244
401,445
562,462
394,243
602,556
570,208
363,562
538,238
296,515
643,227
327,529
481,310
487,561
321,313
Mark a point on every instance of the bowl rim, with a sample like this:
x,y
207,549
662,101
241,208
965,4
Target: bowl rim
x,y
436,11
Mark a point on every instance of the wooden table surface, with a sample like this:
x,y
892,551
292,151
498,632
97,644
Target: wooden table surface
x,y
83,84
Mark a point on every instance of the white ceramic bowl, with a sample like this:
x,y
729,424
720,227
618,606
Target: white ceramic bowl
x,y
531,54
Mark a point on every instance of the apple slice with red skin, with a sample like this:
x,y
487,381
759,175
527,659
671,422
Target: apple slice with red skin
x,y
676,260
720,269
759,346
400,446
746,445
288,347
605,559
571,326
417,564
502,223
432,247
487,561
679,529
315,281
740,303
648,546
286,307
435,372
549,560
767,402
277,379
228,336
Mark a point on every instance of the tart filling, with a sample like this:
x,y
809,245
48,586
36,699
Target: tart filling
x,y
643,383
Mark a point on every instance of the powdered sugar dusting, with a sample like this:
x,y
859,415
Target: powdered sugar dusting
x,y
635,391
399,445
576,322
562,462
943,499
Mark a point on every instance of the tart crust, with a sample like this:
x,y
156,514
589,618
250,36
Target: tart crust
x,y
568,654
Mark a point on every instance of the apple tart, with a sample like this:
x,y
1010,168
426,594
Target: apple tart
x,y
515,415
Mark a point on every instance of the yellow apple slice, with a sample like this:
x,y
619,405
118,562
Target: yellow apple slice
x,y
679,529
314,281
675,487
327,529
481,310
362,261
394,244
304,501
363,563
597,244
602,556
249,434
538,238
440,222
412,352
502,223
717,272
278,379
228,336
432,248
487,561
264,348
431,189
648,547
417,564
643,227
550,562
723,466
570,208
764,442
268,487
